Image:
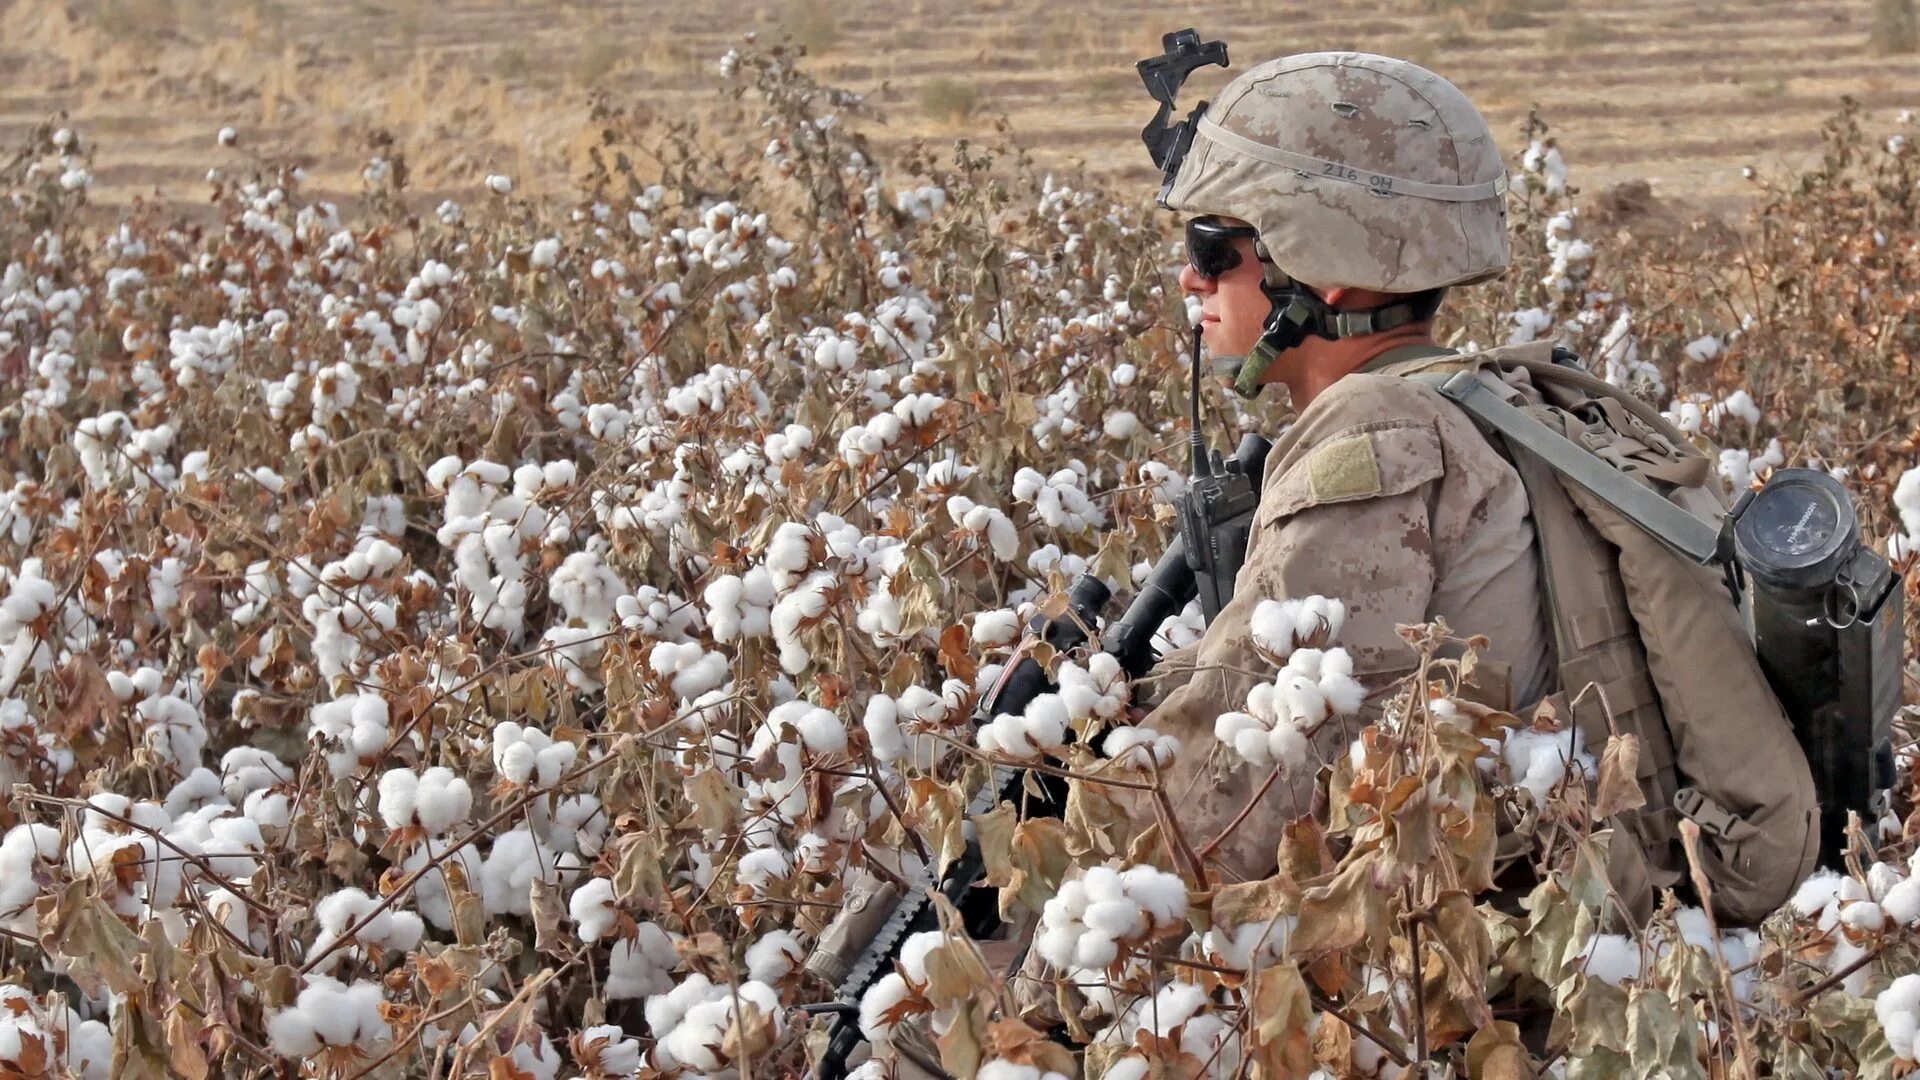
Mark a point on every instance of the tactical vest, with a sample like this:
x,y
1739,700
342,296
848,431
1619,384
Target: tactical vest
x,y
1648,642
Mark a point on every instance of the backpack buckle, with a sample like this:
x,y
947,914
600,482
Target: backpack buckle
x,y
1714,819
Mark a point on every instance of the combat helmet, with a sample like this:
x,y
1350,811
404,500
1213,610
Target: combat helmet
x,y
1356,170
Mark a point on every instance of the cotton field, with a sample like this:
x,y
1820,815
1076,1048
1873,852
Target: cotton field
x,y
494,639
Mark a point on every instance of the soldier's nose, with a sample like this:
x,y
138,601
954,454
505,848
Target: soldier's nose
x,y
1194,281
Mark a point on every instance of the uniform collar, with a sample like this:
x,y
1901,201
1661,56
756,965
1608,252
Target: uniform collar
x,y
1401,354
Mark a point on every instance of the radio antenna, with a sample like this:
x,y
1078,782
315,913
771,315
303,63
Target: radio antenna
x,y
1196,442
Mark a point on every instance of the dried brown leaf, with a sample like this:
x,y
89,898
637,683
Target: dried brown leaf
x,y
1496,1053
1619,785
1344,912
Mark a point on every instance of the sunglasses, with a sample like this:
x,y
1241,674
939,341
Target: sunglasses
x,y
1210,245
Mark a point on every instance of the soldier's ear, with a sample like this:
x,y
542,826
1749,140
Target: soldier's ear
x,y
1334,295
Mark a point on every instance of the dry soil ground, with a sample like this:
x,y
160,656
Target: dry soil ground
x,y
1679,94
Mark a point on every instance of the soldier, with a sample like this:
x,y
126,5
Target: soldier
x,y
1331,199
1354,190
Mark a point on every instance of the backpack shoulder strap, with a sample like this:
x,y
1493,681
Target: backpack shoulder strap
x,y
1640,504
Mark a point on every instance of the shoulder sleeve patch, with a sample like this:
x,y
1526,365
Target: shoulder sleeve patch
x,y
1342,469
1367,461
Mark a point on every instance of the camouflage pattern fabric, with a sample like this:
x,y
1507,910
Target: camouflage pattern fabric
x,y
1386,496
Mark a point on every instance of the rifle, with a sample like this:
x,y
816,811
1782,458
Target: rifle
x,y
886,917
861,944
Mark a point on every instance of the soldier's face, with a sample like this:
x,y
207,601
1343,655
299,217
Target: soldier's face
x,y
1233,308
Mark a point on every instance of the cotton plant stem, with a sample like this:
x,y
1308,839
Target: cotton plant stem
x,y
1836,978
1176,840
1240,818
514,1006
1418,976
1742,1044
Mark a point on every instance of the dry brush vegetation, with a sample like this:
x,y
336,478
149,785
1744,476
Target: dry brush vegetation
x,y
1679,97
492,641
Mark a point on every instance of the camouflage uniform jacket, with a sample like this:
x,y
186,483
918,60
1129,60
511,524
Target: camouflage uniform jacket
x,y
1386,496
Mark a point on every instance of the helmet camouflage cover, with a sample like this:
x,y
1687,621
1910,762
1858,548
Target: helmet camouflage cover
x,y
1357,170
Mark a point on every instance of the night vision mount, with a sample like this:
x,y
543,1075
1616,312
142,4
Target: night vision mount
x,y
1167,142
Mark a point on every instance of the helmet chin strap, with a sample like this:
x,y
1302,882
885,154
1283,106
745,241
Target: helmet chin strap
x,y
1299,312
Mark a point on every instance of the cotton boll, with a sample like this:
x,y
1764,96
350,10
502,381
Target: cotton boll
x,y
775,954
516,762
1898,1009
329,1014
352,911
1342,693
430,893
89,1050
1703,348
290,1034
1140,748
997,627
1041,728
1097,690
512,864
739,606
1114,918
1228,726
761,867
882,725
642,966
1087,919
1864,915
802,607
246,769
352,729
529,755
1302,703
605,1050
701,1026
1821,888
1289,748
881,998
271,809
25,848
579,826
1162,896
1739,404
1281,626
230,846
1906,500
1882,877
914,952
1256,944
1539,761
441,801
1612,958
201,788
820,730
397,790
1901,903
591,908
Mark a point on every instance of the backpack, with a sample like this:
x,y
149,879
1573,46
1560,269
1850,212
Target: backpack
x,y
1649,640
